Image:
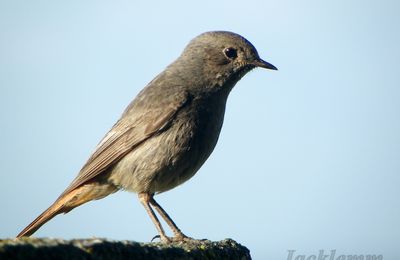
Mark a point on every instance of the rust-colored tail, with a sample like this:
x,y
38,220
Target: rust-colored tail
x,y
39,221
55,209
67,201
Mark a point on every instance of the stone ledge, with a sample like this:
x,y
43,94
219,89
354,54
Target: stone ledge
x,y
100,248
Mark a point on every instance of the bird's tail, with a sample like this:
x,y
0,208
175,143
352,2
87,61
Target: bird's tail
x,y
66,202
55,209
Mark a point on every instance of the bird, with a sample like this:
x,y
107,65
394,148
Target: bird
x,y
166,133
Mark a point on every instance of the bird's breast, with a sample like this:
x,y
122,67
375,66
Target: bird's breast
x,y
173,156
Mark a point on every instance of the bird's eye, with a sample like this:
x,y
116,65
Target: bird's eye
x,y
230,53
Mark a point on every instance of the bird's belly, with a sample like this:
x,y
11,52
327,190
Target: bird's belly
x,y
168,159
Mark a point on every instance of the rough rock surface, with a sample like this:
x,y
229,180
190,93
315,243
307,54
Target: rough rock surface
x,y
99,248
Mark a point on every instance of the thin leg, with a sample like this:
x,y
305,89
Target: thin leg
x,y
145,198
179,236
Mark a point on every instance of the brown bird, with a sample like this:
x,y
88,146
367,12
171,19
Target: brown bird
x,y
167,132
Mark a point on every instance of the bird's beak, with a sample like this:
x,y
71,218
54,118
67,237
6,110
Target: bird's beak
x,y
263,64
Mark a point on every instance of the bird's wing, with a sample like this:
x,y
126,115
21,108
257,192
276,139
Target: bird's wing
x,y
125,136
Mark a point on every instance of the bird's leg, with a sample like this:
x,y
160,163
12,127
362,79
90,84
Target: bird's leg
x,y
179,236
145,199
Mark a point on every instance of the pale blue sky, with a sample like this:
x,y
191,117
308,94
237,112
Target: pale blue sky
x,y
309,156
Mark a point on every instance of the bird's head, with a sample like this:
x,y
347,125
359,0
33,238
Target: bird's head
x,y
221,58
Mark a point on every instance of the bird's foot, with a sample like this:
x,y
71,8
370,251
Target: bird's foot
x,y
163,239
180,237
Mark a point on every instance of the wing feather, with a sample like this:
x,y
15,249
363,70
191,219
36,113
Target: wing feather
x,y
125,136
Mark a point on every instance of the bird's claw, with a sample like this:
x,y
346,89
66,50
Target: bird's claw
x,y
177,238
